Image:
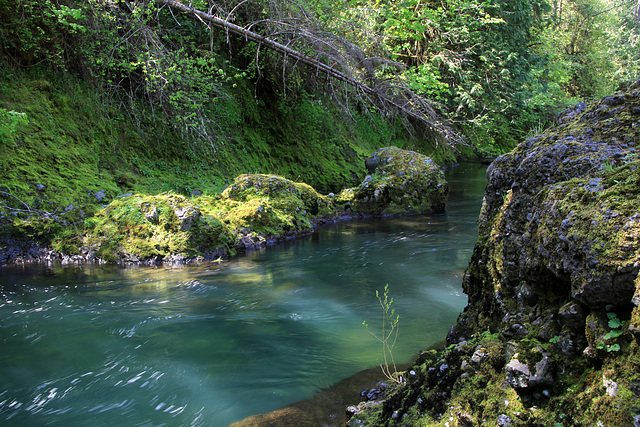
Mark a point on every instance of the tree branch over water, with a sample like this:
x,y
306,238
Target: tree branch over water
x,y
389,96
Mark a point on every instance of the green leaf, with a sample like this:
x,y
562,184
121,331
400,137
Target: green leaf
x,y
614,322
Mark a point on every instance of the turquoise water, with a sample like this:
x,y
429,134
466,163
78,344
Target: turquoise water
x,y
211,344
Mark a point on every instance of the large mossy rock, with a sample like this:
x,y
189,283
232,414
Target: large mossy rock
x,y
551,332
557,261
307,201
254,211
561,216
402,182
262,208
143,227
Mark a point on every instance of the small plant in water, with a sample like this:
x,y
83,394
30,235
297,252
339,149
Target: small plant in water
x,y
389,335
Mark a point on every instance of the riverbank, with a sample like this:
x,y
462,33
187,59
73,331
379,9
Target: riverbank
x,y
255,210
68,152
23,250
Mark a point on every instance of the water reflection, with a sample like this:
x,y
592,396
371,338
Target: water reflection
x,y
214,343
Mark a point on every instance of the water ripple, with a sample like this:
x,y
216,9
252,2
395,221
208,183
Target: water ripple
x,y
61,396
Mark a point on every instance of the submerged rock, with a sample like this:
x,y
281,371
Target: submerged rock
x,y
284,417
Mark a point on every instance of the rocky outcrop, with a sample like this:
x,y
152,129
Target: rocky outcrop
x,y
550,334
400,182
559,225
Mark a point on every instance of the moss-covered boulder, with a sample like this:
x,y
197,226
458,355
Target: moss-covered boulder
x,y
553,287
262,208
142,227
560,218
276,188
254,211
402,182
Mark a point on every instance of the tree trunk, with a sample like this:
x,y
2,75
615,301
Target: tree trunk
x,y
422,113
260,39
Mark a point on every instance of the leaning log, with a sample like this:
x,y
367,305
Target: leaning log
x,y
412,107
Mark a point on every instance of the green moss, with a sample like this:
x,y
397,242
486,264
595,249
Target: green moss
x,y
74,144
271,205
41,230
261,206
603,396
145,227
404,182
305,138
315,203
599,213
68,241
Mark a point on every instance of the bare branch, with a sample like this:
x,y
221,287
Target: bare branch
x,y
28,209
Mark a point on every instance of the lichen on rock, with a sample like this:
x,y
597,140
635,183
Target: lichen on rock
x,y
401,182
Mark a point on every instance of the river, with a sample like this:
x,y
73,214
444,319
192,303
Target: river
x,y
211,344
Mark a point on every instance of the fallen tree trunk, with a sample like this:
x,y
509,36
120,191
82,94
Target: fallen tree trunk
x,y
412,105
272,44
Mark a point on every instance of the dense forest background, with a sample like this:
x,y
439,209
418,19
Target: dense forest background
x,y
135,95
496,68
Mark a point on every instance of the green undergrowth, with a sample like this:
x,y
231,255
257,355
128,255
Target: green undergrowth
x,y
67,150
74,146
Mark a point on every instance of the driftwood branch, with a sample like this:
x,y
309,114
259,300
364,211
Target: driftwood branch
x,y
382,95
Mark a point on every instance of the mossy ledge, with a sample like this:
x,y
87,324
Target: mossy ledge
x,y
255,210
551,332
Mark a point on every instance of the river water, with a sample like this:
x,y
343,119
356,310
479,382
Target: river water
x,y
211,344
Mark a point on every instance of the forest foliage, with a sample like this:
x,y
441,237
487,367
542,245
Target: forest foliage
x,y
495,69
501,68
